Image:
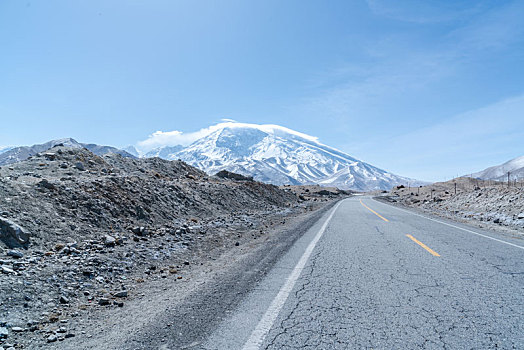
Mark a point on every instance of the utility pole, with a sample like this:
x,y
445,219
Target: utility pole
x,y
455,188
508,179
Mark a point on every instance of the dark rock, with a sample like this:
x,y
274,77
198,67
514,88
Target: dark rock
x,y
326,193
64,300
46,184
15,254
121,294
49,156
12,234
224,174
80,166
103,301
88,273
52,338
139,230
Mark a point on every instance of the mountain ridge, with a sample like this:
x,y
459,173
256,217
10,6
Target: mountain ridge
x,y
499,172
17,154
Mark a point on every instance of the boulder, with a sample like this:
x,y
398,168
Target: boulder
x,y
12,234
109,241
46,184
15,254
3,332
80,166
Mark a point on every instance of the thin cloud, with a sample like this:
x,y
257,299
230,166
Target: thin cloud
x,y
176,137
422,12
463,144
400,67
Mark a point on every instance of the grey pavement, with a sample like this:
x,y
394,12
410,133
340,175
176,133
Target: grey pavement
x,y
367,285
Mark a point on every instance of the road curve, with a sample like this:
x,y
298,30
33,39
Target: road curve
x,y
370,275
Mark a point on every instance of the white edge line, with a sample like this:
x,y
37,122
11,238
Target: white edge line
x,y
266,322
460,228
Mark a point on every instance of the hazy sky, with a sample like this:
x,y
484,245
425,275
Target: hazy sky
x,y
425,89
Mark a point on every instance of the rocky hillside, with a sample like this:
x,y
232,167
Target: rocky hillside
x,y
475,201
80,231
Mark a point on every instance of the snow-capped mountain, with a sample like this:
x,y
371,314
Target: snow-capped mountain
x,y
500,172
18,154
166,152
279,155
132,150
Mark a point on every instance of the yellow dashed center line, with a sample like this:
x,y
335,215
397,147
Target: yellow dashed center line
x,y
434,253
374,212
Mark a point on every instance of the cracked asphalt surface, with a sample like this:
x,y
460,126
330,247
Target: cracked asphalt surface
x,y
367,285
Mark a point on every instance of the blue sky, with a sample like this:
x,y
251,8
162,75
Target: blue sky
x,y
429,89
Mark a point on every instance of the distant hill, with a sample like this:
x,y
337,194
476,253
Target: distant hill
x,y
500,172
18,154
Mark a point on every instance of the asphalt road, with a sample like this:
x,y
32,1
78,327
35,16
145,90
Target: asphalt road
x,y
370,275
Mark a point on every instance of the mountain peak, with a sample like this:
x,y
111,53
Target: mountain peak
x,y
271,129
279,155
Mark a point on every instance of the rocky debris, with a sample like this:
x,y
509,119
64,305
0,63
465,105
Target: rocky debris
x,y
12,234
100,234
466,199
315,192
